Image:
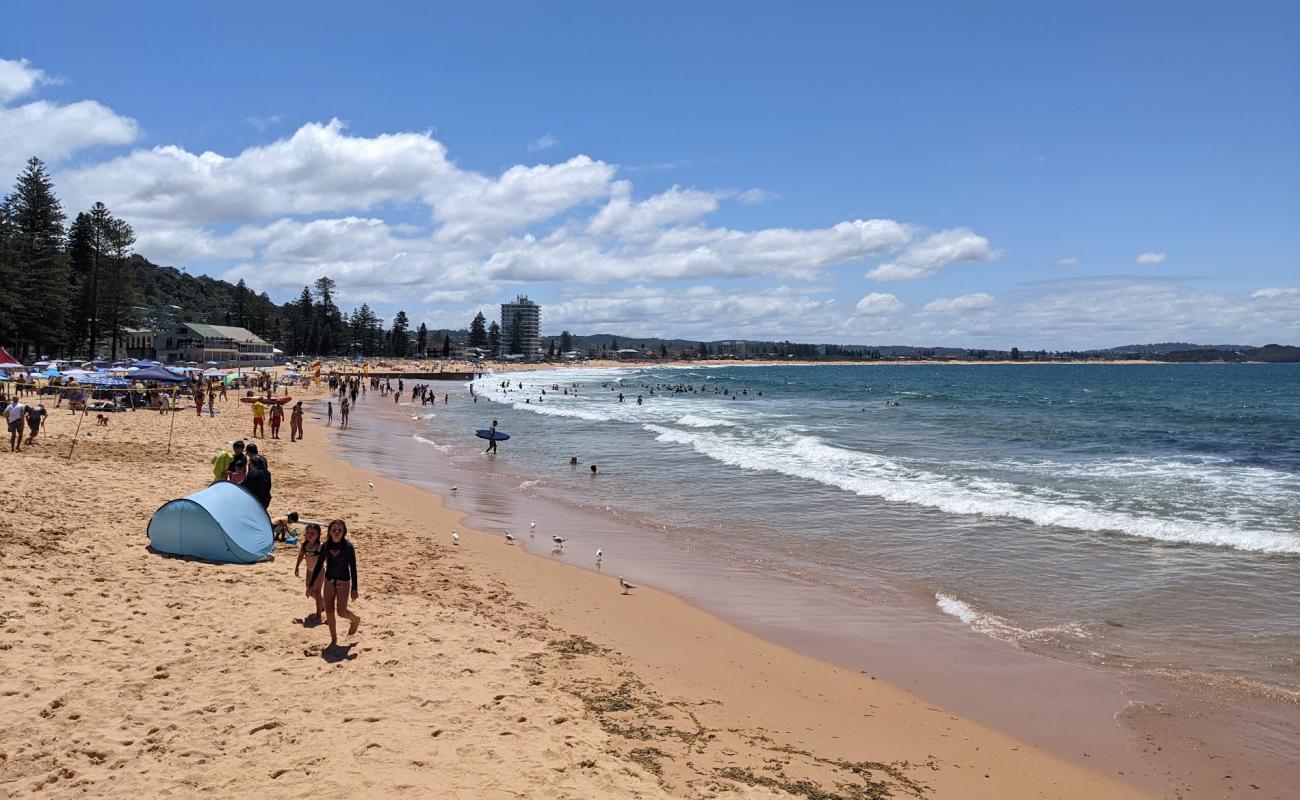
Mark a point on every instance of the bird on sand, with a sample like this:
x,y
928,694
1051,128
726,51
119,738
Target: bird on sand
x,y
372,484
626,586
510,538
532,528
559,541
455,538
454,488
600,555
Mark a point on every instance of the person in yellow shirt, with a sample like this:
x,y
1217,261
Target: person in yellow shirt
x,y
259,418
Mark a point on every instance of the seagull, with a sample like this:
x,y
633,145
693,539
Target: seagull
x,y
454,488
372,484
510,538
600,554
532,528
455,538
626,586
559,541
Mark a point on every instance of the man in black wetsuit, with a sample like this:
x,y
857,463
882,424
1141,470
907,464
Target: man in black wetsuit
x,y
492,438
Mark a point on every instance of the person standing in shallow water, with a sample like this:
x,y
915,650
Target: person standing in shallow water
x,y
492,438
338,562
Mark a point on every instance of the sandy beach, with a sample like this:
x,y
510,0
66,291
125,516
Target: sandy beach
x,y
478,671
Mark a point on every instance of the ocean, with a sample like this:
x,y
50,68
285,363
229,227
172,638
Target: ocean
x,y
1136,517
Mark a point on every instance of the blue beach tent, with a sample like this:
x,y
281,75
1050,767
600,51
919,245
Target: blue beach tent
x,y
160,374
223,522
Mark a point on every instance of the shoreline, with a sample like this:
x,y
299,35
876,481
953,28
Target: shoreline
x,y
479,670
1169,720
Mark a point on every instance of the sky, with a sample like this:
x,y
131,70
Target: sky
x,y
982,174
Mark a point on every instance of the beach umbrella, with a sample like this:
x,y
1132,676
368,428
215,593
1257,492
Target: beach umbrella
x,y
51,373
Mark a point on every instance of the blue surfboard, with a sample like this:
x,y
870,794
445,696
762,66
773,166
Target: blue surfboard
x,y
486,433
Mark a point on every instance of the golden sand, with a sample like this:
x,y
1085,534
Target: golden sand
x,y
479,671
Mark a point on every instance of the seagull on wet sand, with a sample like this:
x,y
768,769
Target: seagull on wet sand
x,y
626,586
600,555
454,488
559,541
455,538
372,484
510,538
532,528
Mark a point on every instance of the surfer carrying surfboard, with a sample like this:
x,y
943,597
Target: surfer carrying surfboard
x,y
492,438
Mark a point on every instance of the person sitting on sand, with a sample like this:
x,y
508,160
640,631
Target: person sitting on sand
x,y
339,564
238,469
310,552
280,527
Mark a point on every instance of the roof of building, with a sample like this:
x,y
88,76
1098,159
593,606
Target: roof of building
x,y
241,335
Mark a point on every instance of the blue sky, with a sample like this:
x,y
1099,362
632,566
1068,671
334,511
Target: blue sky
x,y
986,174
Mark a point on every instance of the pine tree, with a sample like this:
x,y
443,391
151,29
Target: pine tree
x,y
330,327
8,274
117,295
494,338
446,345
40,284
400,335
422,340
566,342
478,331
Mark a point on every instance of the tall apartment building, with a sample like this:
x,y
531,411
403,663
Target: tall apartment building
x,y
529,316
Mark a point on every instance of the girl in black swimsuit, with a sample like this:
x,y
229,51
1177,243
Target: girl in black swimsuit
x,y
310,552
339,563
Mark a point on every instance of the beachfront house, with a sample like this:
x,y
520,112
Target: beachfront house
x,y
225,345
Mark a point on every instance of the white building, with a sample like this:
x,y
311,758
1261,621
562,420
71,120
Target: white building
x,y
529,317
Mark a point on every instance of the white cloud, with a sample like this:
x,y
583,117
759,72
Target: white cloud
x,y
1069,261
1151,257
925,258
752,197
19,78
263,123
880,303
1275,294
546,142
50,131
951,305
621,216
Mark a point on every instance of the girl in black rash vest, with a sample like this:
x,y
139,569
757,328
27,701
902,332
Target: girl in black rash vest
x,y
339,561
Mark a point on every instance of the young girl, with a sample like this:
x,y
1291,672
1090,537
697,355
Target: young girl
x,y
238,468
310,552
339,563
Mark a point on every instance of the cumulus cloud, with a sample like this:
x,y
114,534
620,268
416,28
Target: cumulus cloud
x,y
1151,257
50,131
930,255
19,78
624,217
966,302
880,303
546,142
1069,261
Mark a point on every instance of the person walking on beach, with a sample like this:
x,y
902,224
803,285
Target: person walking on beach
x,y
329,412
310,552
295,422
212,400
35,417
15,415
338,562
198,401
492,438
259,417
277,417
344,407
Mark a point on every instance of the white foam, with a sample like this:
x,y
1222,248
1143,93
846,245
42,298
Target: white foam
x,y
695,421
999,628
871,475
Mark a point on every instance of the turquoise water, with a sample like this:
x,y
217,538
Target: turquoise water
x,y
1137,516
